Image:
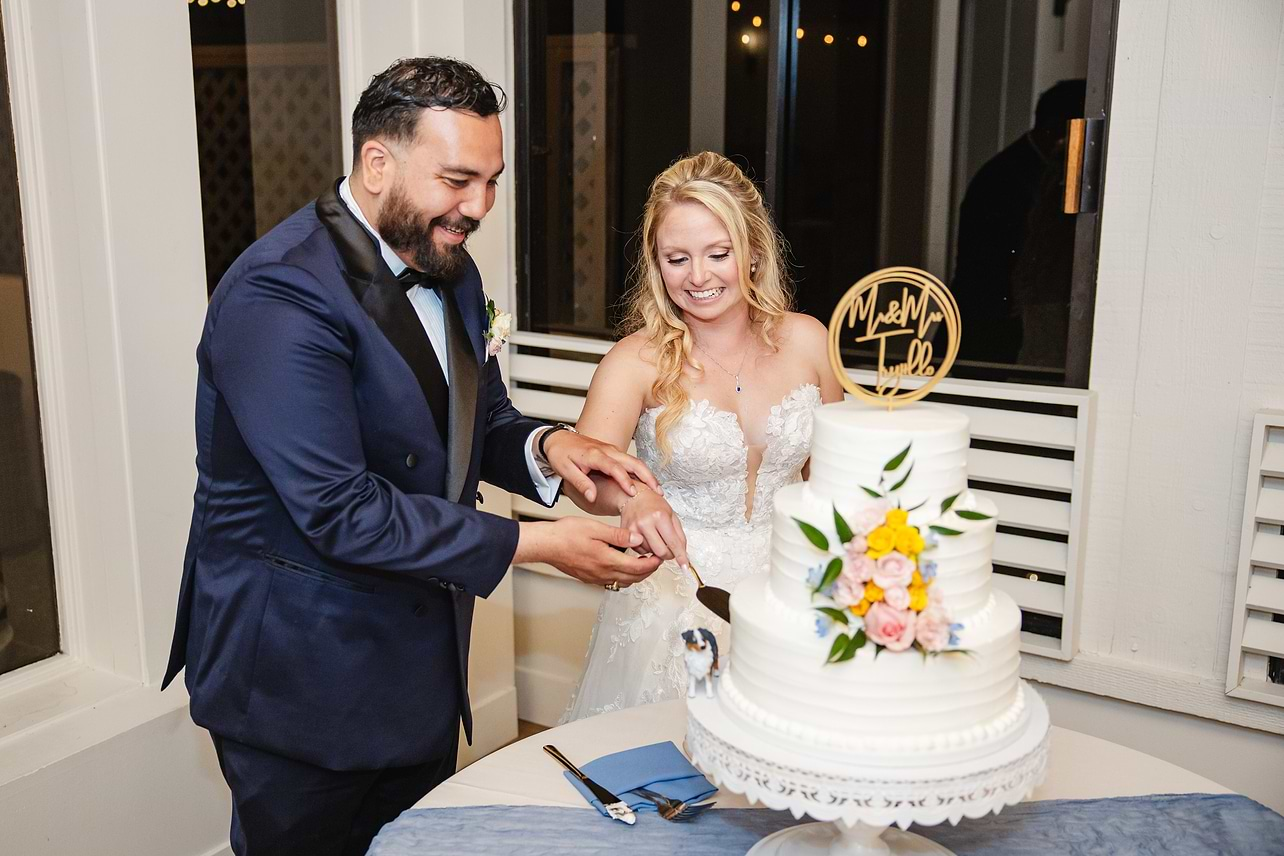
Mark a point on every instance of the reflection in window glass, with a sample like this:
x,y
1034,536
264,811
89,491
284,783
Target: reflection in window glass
x,y
267,116
939,142
28,602
613,92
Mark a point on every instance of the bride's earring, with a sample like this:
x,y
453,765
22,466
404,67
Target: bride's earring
x,y
753,270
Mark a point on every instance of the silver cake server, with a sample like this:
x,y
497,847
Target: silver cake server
x,y
615,807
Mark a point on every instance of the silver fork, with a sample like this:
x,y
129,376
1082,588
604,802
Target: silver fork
x,y
674,810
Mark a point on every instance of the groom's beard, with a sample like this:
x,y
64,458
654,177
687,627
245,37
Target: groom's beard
x,y
409,232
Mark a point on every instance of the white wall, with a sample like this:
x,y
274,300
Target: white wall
x,y
1243,759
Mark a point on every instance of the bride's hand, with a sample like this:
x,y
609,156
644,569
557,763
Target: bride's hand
x,y
650,515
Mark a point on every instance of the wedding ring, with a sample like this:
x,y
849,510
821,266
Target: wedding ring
x,y
612,586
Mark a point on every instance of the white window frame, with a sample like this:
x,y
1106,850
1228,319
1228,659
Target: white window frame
x,y
105,260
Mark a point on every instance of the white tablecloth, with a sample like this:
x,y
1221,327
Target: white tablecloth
x,y
1080,767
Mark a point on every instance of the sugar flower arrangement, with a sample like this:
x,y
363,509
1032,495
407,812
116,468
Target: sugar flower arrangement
x,y
876,574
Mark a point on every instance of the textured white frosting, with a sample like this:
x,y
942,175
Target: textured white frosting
x,y
781,686
896,708
852,441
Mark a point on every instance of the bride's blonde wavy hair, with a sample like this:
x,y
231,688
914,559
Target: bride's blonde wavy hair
x,y
719,185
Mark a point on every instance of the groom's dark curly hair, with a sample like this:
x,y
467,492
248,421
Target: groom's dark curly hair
x,y
391,105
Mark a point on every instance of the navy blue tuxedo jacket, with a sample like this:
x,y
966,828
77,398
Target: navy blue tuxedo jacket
x,y
335,549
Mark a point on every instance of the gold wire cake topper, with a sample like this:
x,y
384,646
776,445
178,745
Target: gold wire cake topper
x,y
893,303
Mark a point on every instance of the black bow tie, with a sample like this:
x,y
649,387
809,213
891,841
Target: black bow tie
x,y
410,277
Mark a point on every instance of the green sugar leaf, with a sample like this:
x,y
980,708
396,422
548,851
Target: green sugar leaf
x,y
836,614
814,535
901,483
840,526
972,515
897,461
831,574
836,650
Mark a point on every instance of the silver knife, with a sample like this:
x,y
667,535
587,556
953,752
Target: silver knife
x,y
615,807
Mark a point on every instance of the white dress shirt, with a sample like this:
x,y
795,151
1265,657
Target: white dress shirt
x,y
431,312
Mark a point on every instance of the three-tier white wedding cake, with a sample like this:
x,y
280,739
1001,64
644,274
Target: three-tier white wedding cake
x,y
877,637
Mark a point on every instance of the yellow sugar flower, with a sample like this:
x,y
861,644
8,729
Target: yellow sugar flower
x,y
861,608
909,542
873,593
917,579
880,542
897,518
918,596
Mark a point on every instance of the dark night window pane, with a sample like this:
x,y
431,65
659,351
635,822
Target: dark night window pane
x,y
28,601
612,92
939,142
268,125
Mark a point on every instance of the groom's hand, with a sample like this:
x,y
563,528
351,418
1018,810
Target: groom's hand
x,y
585,549
574,456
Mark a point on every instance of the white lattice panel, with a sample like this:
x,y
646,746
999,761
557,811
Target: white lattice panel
x,y
1030,456
1256,635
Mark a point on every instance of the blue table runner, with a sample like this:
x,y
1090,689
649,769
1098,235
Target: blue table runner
x,y
1176,825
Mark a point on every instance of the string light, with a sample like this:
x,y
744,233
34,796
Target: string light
x,y
231,4
744,40
799,32
757,20
735,5
829,39
862,41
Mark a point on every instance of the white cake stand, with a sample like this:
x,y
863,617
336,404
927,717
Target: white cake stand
x,y
857,805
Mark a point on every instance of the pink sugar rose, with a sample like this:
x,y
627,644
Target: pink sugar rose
x,y
869,518
857,546
891,628
933,630
848,591
859,568
936,597
894,569
897,597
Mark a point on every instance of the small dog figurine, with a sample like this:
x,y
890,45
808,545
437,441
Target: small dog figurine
x,y
702,660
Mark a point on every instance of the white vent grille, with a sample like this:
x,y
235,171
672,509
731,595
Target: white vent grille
x,y
1257,634
1030,454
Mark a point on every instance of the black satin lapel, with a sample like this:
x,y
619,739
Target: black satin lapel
x,y
463,397
385,301
357,247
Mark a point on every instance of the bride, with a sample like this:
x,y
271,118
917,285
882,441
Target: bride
x,y
716,386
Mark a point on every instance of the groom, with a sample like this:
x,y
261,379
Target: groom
x,y
345,411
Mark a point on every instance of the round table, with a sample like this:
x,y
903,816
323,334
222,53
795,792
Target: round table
x,y
1080,766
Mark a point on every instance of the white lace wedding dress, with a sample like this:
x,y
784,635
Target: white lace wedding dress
x,y
636,653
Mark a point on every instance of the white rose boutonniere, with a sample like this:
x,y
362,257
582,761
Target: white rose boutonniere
x,y
500,327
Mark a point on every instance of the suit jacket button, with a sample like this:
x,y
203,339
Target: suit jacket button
x,y
420,610
411,460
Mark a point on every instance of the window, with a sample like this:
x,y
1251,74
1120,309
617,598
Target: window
x,y
612,93
925,134
28,602
267,116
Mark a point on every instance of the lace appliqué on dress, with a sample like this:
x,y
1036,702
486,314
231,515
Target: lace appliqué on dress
x,y
636,653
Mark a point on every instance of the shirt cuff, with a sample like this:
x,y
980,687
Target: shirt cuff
x,y
547,484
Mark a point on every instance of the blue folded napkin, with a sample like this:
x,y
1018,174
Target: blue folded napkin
x,y
659,767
